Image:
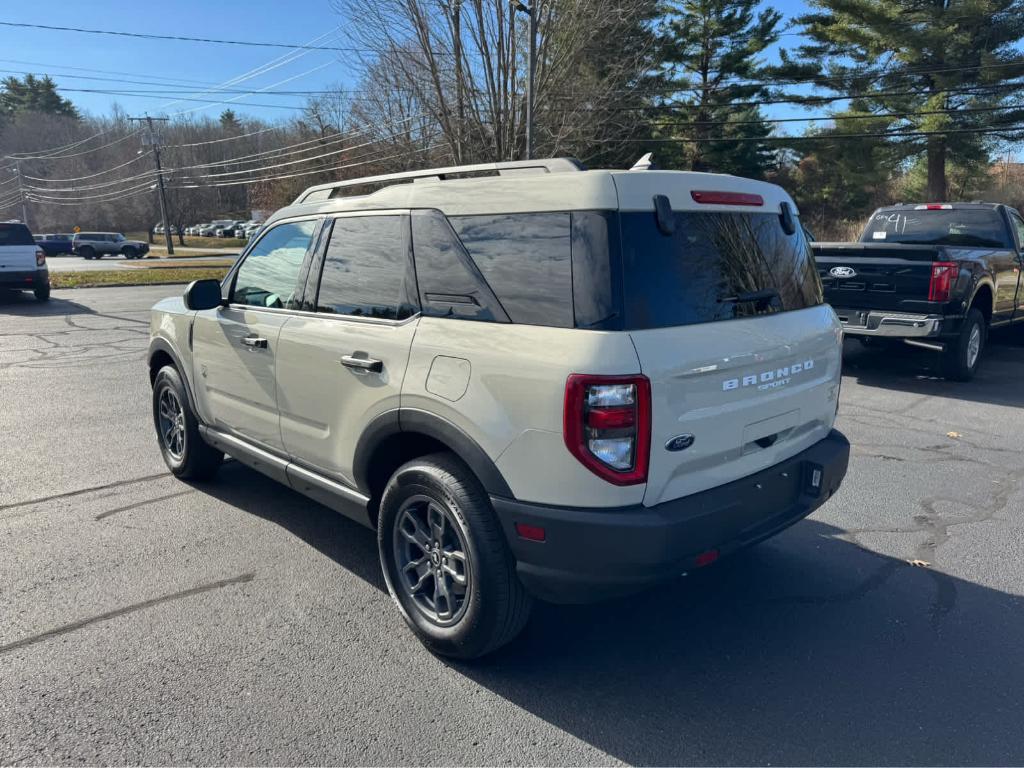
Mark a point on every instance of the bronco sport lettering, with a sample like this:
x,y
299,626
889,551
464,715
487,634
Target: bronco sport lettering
x,y
768,379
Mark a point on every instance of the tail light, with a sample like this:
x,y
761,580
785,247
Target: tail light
x,y
607,425
944,274
40,257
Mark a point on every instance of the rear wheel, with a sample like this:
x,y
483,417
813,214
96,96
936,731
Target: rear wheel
x,y
87,253
185,452
42,292
963,355
445,559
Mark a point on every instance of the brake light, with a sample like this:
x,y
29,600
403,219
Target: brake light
x,y
607,425
725,198
944,275
934,207
40,257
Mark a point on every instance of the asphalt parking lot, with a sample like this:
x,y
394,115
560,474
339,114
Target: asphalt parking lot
x,y
144,620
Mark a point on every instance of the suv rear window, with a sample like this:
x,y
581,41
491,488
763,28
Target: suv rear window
x,y
715,266
981,227
15,234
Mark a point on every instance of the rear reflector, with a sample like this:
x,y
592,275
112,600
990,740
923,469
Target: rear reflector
x,y
530,532
725,198
706,558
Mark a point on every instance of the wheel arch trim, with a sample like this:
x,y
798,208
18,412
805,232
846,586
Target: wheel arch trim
x,y
413,420
159,344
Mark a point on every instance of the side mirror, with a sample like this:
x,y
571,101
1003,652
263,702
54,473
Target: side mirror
x,y
203,294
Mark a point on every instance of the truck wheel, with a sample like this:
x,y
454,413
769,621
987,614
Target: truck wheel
x,y
185,452
87,253
129,253
445,559
42,292
963,355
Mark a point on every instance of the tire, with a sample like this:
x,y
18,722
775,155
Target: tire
x,y
491,608
185,452
963,355
42,292
87,253
130,253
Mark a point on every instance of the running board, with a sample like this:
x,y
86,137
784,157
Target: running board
x,y
342,499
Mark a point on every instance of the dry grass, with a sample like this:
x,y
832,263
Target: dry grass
x,y
104,277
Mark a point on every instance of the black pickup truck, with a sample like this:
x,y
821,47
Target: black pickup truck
x,y
935,275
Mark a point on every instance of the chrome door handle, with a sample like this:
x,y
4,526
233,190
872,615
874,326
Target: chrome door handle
x,y
255,342
362,363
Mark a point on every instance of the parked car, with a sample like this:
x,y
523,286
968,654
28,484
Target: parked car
x,y
95,245
226,228
22,261
932,275
207,230
158,229
54,244
566,385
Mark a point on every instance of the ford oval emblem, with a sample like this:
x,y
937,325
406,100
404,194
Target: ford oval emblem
x,y
843,272
679,443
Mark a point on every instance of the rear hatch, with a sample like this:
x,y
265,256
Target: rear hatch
x,y
17,248
870,276
728,321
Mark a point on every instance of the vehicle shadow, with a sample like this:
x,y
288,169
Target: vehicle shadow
x,y
915,370
24,303
807,649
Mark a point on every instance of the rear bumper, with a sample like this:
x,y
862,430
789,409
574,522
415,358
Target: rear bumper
x,y
591,554
25,280
895,325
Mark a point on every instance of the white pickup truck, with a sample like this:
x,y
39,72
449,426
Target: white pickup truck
x,y
22,261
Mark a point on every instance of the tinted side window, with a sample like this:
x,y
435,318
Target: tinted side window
x,y
596,272
450,284
367,269
526,259
269,276
1018,225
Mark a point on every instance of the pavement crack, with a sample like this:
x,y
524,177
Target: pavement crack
x,y
68,494
138,504
75,626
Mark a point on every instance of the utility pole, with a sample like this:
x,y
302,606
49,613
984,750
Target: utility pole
x,y
154,141
531,12
21,191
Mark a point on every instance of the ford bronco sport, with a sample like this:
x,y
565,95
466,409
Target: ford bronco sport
x,y
532,380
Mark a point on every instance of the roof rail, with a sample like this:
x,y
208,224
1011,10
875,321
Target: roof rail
x,y
550,165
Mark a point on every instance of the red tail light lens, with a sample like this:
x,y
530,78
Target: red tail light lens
x,y
944,275
40,257
607,425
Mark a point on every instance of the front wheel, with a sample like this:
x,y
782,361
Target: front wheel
x,y
963,355
445,560
185,452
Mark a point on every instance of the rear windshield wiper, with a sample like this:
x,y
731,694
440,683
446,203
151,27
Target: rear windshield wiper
x,y
762,297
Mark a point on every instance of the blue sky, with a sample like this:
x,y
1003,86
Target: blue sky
x,y
188,64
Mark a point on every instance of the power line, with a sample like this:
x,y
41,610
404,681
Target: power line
x,y
53,198
181,38
88,187
93,175
53,151
79,154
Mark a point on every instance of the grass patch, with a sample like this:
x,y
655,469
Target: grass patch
x,y
190,242
212,261
134,277
159,252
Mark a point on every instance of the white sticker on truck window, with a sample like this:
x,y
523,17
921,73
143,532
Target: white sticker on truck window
x,y
878,235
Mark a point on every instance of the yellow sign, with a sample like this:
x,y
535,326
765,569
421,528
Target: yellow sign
x,y
76,229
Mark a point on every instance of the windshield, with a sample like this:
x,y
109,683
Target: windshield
x,y
715,266
968,227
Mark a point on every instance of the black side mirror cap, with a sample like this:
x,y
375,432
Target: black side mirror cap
x,y
203,294
786,218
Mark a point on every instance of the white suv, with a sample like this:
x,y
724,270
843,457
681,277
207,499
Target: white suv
x,y
532,380
22,261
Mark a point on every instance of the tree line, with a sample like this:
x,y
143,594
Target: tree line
x,y
852,104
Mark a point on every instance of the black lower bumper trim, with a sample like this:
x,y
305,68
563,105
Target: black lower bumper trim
x,y
592,554
24,280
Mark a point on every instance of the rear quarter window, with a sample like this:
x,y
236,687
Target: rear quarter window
x,y
526,259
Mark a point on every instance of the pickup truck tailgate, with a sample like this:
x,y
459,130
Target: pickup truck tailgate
x,y
869,276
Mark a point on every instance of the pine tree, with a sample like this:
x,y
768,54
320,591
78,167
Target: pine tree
x,y
947,72
34,94
713,69
229,121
